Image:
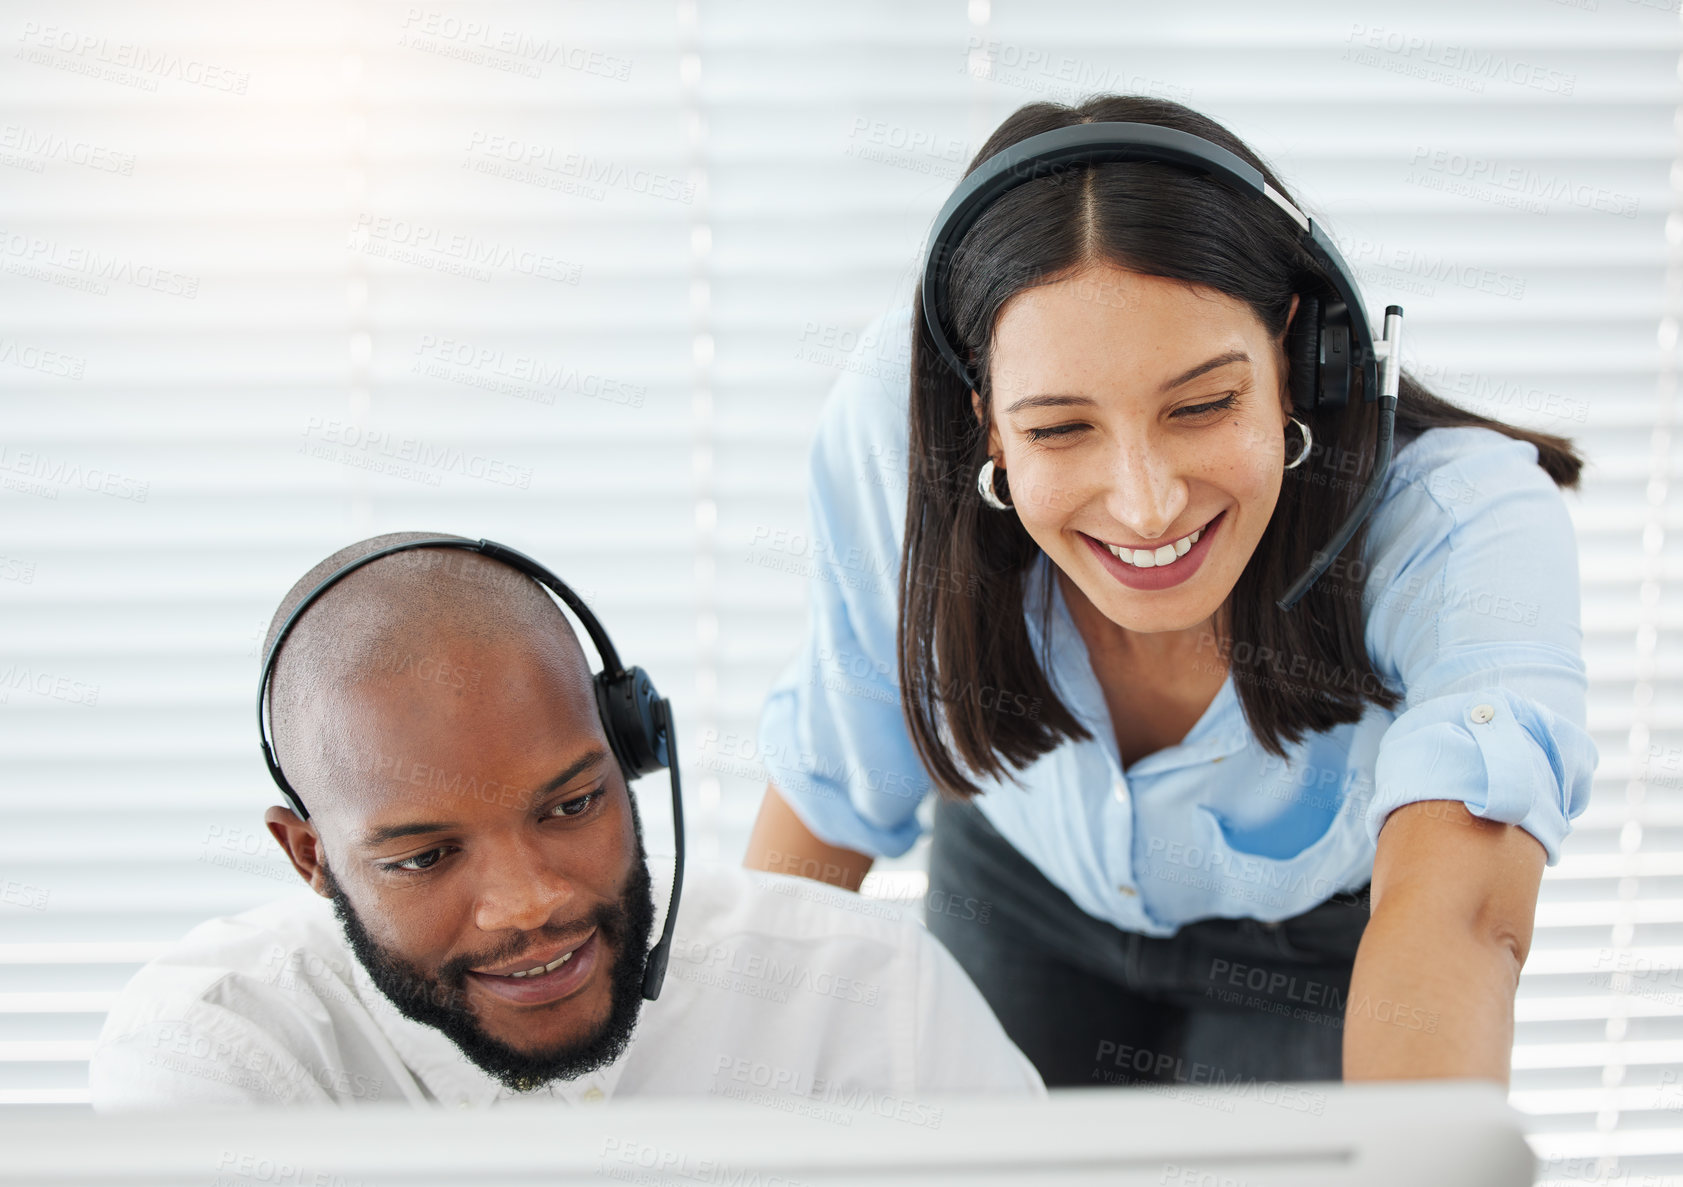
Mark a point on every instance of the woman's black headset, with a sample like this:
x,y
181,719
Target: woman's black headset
x,y
636,718
1330,335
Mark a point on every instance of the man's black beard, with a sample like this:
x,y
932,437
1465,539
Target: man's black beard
x,y
441,1001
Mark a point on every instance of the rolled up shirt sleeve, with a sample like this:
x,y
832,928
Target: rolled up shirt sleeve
x,y
832,735
1473,609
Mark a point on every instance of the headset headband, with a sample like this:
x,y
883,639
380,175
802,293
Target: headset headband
x,y
1081,145
636,719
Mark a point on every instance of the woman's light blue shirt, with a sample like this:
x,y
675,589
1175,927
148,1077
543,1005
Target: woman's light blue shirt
x,y
1472,612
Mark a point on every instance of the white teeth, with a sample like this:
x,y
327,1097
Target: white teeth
x,y
545,968
1150,558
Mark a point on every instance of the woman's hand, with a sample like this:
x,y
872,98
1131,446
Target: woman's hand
x,y
1432,993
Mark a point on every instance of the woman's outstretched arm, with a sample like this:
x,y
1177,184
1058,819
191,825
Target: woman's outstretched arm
x,y
1432,993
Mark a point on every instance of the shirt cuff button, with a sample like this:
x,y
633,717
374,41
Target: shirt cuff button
x,y
1483,713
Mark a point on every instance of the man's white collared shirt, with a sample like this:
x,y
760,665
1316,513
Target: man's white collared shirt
x,y
780,991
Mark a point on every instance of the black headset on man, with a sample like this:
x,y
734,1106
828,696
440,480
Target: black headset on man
x,y
636,718
1330,335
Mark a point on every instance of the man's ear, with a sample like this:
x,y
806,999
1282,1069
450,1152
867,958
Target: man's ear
x,y
994,448
302,845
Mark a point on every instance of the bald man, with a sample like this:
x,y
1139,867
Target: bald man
x,y
482,904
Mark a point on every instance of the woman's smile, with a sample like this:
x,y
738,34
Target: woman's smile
x,y
1158,574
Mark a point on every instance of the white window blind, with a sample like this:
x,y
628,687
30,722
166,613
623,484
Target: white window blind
x,y
578,277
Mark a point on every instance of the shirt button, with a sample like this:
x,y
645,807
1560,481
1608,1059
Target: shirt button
x,y
592,1095
1127,891
464,1103
1483,713
1119,789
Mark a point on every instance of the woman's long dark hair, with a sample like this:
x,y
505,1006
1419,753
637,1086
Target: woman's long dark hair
x,y
976,699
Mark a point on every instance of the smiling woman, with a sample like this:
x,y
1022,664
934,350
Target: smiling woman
x,y
1098,283
1139,403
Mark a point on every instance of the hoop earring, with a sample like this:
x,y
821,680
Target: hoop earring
x,y
1308,440
984,487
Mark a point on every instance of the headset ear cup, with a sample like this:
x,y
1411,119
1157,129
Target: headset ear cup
x,y
1303,354
1335,357
628,703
